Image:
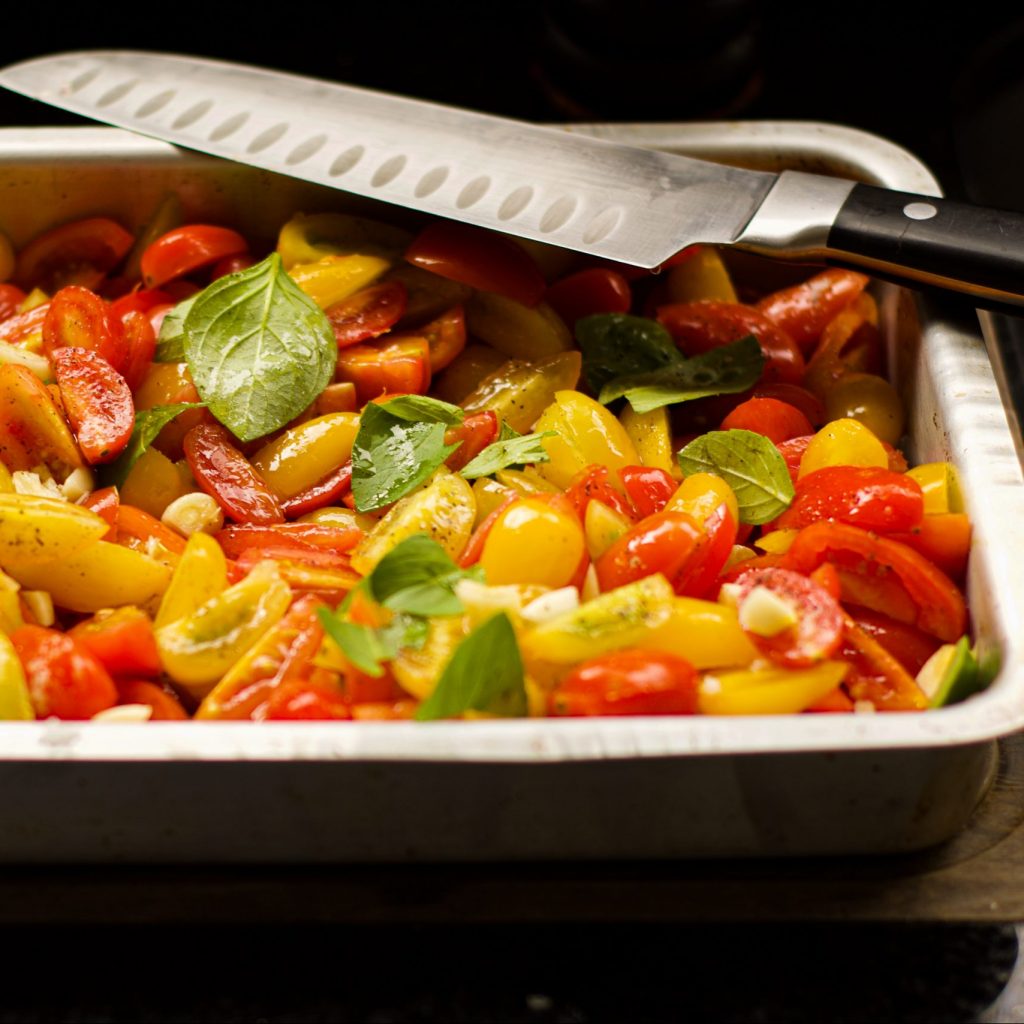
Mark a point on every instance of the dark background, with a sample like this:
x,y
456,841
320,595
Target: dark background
x,y
949,87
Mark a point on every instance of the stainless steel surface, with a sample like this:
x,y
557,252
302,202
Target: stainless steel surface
x,y
532,788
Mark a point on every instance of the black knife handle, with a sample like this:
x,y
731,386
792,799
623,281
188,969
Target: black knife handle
x,y
929,241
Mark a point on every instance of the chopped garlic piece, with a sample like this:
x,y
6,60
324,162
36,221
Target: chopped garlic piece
x,y
551,604
764,613
27,482
122,713
193,513
479,599
864,707
729,594
78,484
40,604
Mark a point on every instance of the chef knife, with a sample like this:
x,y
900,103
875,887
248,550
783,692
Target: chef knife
x,y
620,202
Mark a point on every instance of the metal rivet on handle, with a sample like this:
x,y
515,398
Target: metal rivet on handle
x,y
919,211
388,171
431,182
515,202
556,215
346,161
229,127
473,192
267,138
116,93
193,114
155,103
602,225
304,150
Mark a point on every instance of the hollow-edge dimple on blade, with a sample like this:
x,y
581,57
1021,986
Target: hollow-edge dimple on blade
x,y
624,203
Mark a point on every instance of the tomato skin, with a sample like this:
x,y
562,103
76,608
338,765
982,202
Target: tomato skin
x,y
596,290
475,432
121,639
77,253
648,489
944,539
182,250
884,575
475,547
64,679
627,682
165,705
708,323
479,258
368,313
661,543
819,627
867,496
231,265
79,318
97,401
778,421
803,310
225,474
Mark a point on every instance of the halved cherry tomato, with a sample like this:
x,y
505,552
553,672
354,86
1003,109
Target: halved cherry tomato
x,y
628,682
185,249
142,300
161,699
11,297
368,313
136,528
908,645
877,675
22,326
803,310
776,420
884,576
122,640
33,429
97,402
592,485
77,253
386,367
662,543
226,475
236,540
944,539
704,566
474,434
79,318
819,619
475,547
64,679
701,326
479,258
332,487
868,496
307,700
596,290
105,502
140,343
647,487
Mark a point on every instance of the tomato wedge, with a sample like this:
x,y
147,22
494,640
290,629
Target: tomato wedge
x,y
226,475
182,250
332,487
79,318
97,401
803,310
478,258
877,675
368,313
77,253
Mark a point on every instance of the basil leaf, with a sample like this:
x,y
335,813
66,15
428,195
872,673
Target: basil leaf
x,y
726,370
171,342
362,645
484,674
391,457
148,424
419,578
750,464
421,409
404,631
619,345
507,433
501,454
260,350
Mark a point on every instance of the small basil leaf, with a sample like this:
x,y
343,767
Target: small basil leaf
x,y
726,370
484,674
517,451
618,345
148,424
416,560
421,409
170,346
361,645
507,433
404,631
750,464
260,350
391,457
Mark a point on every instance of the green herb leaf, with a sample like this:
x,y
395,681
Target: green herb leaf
x,y
516,451
260,350
727,370
619,345
170,346
362,645
507,433
750,464
391,456
148,424
404,631
418,577
484,674
421,409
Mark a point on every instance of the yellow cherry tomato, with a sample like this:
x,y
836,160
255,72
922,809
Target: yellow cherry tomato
x,y
871,400
154,482
843,442
417,670
33,430
35,530
778,542
521,332
775,691
939,485
15,705
304,455
701,494
200,575
706,633
532,542
307,238
467,371
602,527
702,276
334,278
489,494
651,434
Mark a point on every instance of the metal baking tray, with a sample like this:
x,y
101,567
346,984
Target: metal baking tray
x,y
534,789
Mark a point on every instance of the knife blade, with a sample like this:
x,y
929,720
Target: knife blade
x,y
625,203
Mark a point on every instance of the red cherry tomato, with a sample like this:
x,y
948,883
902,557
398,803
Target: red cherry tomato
x,y
479,258
386,367
628,682
121,639
141,301
77,253
307,700
475,432
597,290
64,679
106,503
883,575
803,310
97,402
876,675
324,492
236,540
161,699
700,574
944,538
367,314
79,318
140,343
138,529
701,326
11,297
23,325
648,489
661,543
591,484
909,646
809,404
876,499
226,475
186,249
778,421
819,626
474,549
231,265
